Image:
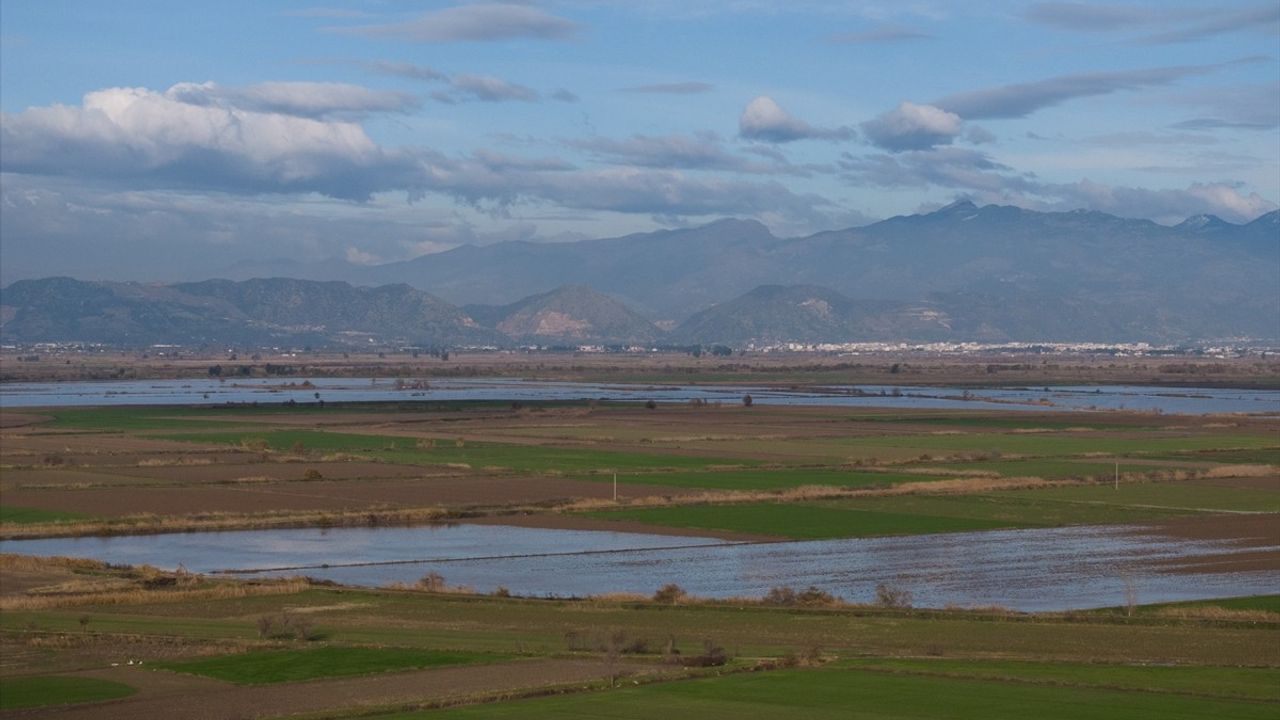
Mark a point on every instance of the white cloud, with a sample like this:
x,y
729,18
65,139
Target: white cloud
x,y
161,139
913,127
764,119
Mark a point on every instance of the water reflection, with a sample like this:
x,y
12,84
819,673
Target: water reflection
x,y
1037,569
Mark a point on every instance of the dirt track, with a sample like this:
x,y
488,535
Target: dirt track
x,y
180,697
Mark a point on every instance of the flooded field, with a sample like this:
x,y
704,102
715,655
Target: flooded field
x,y
1030,570
1195,401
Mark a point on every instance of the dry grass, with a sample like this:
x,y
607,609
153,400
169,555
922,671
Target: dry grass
x,y
172,462
1208,612
141,596
1243,471
148,524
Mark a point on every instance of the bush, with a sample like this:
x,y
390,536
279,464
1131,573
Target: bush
x,y
670,593
432,582
712,656
890,596
811,596
286,627
312,474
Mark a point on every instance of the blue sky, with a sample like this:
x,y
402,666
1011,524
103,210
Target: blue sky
x,y
160,140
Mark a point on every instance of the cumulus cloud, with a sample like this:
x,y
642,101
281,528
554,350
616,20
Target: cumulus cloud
x,y
878,36
1022,99
763,119
912,127
162,139
480,22
304,99
679,88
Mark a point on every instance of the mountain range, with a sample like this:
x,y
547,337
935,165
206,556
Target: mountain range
x,y
960,273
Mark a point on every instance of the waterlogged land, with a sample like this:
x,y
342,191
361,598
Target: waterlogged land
x,y
85,640
271,647
780,368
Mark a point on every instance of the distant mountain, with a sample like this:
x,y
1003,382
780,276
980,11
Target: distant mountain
x,y
804,313
255,312
569,314
1204,278
960,273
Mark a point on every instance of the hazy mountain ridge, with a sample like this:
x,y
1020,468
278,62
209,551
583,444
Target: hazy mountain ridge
x,y
959,273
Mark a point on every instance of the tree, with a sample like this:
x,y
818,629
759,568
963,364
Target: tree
x,y
747,400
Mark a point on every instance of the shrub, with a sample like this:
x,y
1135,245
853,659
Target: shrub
x,y
712,656
286,627
432,582
781,595
670,593
890,596
312,474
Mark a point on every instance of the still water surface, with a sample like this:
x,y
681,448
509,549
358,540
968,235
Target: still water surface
x,y
1033,570
1196,401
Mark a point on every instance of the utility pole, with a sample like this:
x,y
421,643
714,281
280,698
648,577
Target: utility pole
x,y
615,487
1117,475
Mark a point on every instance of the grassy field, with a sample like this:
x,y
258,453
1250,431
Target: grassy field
x,y
984,663
26,515
40,691
802,521
275,666
844,692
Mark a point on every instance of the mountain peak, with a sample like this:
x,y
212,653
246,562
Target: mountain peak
x,y
1201,222
958,205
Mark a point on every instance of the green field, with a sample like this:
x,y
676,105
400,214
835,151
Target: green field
x,y
275,666
1164,494
27,692
773,479
1053,468
24,515
446,451
842,692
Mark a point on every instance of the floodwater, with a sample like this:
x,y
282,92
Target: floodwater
x,y
1195,401
1031,570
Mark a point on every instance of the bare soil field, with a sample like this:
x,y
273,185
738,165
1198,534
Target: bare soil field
x,y
447,492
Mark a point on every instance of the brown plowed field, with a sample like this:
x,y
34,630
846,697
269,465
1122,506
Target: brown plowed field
x,y
452,492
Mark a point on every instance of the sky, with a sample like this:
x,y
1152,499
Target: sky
x,y
166,141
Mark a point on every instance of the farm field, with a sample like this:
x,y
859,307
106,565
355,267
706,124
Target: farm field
x,y
99,469
286,646
157,642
